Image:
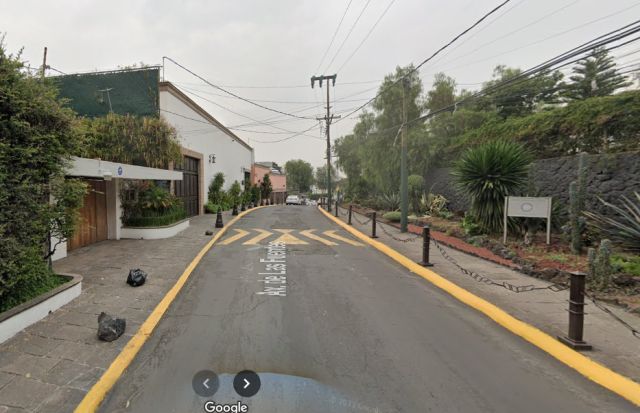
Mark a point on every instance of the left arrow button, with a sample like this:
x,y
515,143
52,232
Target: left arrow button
x,y
205,383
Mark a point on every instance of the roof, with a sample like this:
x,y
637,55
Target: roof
x,y
128,91
171,88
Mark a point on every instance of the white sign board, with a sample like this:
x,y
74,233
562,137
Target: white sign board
x,y
528,207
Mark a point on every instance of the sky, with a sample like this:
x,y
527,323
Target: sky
x,y
267,51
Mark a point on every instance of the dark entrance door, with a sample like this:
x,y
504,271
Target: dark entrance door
x,y
188,188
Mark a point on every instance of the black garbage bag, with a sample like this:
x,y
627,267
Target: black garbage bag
x,y
136,277
109,328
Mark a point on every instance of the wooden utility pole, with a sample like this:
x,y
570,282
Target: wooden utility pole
x,y
404,201
328,118
44,62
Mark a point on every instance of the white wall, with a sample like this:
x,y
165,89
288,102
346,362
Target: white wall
x,y
201,136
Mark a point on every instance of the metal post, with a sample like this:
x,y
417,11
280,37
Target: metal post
x,y
426,241
350,212
373,225
336,214
404,198
576,313
219,223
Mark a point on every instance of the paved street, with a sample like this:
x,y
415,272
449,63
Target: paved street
x,y
354,333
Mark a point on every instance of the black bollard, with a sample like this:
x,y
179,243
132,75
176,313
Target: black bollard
x,y
219,223
350,211
426,241
576,313
235,210
373,225
336,214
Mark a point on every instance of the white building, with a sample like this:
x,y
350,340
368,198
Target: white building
x,y
208,146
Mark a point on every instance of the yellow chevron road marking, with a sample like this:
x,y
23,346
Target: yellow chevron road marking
x,y
333,235
255,240
287,238
240,234
309,234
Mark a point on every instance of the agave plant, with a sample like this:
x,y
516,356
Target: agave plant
x,y
488,173
623,229
390,201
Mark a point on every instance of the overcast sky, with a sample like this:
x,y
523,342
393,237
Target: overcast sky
x,y
249,44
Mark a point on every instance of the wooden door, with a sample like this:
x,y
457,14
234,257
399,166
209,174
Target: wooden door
x,y
92,225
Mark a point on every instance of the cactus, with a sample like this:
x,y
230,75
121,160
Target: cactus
x,y
577,197
600,270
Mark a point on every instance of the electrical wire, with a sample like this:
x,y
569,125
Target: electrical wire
x,y
231,93
468,29
366,36
333,38
353,26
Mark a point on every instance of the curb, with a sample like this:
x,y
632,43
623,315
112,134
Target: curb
x,y
607,378
99,390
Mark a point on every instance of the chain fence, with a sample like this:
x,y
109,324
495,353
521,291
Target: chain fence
x,y
555,287
604,308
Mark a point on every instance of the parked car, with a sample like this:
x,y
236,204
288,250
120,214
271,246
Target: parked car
x,y
293,200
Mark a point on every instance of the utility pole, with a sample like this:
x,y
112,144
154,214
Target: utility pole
x,y
44,62
328,118
107,90
404,202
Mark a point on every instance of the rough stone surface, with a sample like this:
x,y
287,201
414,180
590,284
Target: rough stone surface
x,y
608,176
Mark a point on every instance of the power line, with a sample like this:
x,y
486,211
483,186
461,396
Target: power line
x,y
468,29
367,36
353,26
333,38
231,93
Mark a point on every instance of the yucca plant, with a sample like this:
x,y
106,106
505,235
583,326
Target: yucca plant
x,y
623,229
488,173
390,201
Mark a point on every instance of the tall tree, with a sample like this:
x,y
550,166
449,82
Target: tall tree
x,y
299,175
321,177
595,76
442,93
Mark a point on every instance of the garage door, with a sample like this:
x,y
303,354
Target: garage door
x,y
188,189
92,226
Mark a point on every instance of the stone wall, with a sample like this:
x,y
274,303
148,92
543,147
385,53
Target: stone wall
x,y
608,176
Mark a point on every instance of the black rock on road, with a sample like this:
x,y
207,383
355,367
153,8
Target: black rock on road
x,y
337,328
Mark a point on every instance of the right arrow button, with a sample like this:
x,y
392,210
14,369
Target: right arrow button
x,y
246,383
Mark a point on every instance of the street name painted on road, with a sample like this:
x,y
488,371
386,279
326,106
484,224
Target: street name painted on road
x,y
275,273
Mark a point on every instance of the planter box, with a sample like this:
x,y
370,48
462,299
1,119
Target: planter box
x,y
18,318
166,231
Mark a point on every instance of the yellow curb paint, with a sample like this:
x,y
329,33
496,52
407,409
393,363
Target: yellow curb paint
x,y
287,238
240,233
255,240
309,234
333,235
97,393
617,383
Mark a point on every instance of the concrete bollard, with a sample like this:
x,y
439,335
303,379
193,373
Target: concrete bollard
x,y
426,242
576,313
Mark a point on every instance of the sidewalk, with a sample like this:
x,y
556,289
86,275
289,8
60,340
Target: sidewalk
x,y
613,345
50,366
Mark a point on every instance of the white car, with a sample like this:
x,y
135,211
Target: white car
x,y
293,200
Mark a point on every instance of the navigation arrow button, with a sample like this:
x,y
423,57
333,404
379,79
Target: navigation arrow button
x,y
246,383
205,383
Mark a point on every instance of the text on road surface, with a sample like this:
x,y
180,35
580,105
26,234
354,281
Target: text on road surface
x,y
274,277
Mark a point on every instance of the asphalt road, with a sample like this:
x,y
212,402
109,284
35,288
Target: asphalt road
x,y
354,333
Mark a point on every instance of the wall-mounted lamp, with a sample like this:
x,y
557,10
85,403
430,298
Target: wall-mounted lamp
x,y
212,158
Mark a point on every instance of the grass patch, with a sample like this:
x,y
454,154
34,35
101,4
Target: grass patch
x,y
561,258
31,289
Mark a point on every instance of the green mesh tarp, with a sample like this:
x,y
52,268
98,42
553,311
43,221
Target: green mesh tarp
x,y
132,92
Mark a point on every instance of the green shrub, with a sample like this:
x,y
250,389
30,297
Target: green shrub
x,y
624,228
469,225
390,201
393,216
215,194
153,218
488,173
415,184
144,204
211,208
37,137
626,264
